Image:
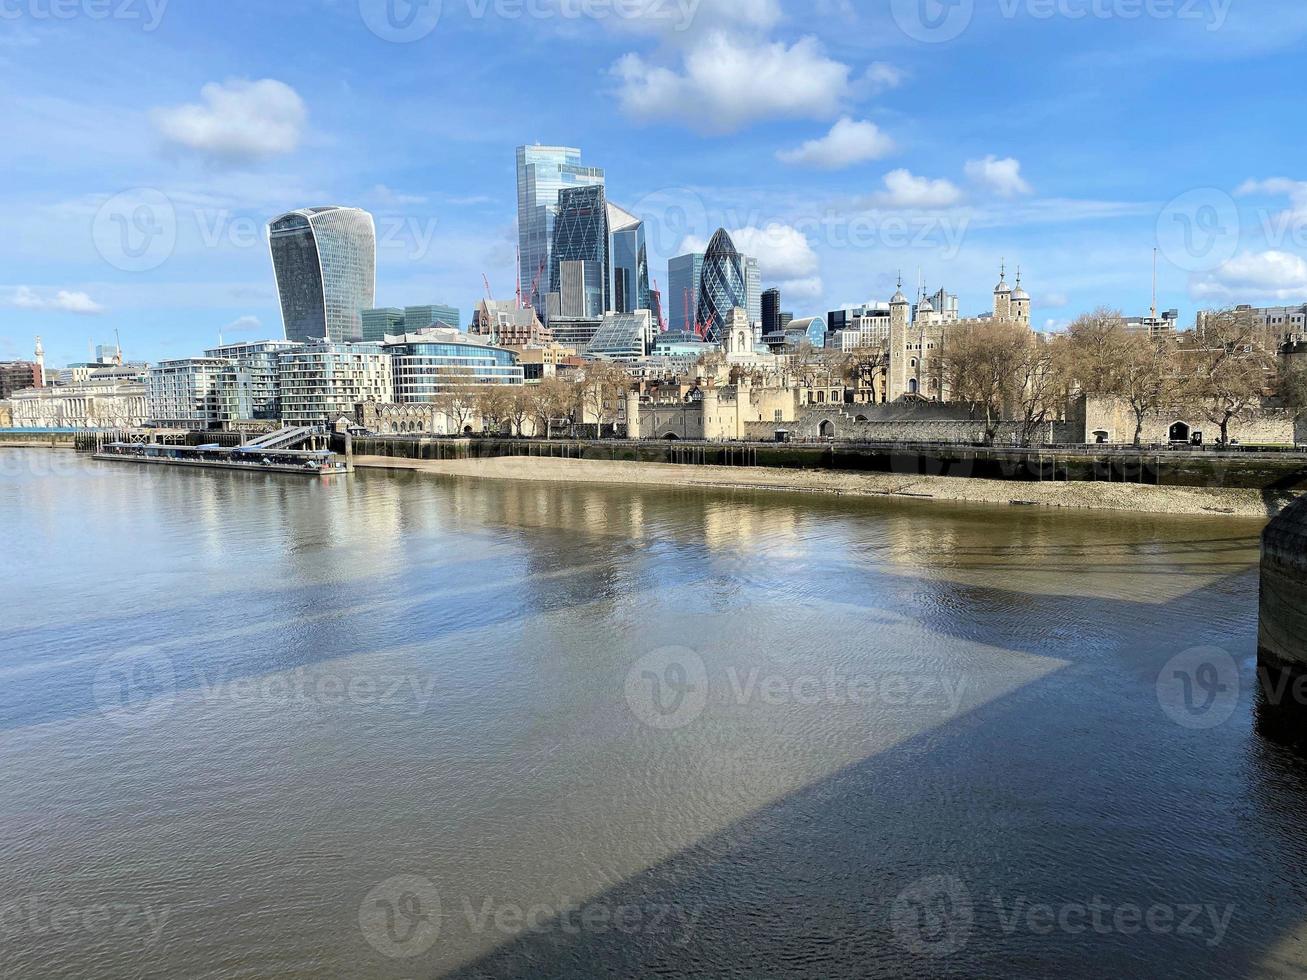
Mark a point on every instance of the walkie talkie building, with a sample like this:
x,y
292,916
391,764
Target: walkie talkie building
x,y
325,263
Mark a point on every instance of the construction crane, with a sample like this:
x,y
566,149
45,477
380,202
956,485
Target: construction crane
x,y
535,285
490,297
662,314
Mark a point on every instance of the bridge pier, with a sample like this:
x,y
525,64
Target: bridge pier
x,y
1282,627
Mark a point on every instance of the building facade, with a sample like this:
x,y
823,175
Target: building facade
x,y
629,256
186,393
684,277
321,383
325,262
723,287
18,375
542,173
623,336
433,362
249,389
96,403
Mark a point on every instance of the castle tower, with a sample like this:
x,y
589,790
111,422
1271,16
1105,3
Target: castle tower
x,y
1020,302
1002,296
633,420
900,314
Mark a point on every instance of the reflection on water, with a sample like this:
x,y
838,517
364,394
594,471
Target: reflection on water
x,y
398,726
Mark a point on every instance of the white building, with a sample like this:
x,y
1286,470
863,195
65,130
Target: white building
x,y
322,382
248,388
96,403
187,393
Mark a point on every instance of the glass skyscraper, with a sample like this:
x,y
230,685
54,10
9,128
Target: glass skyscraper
x,y
581,235
630,262
723,288
684,274
542,173
753,288
325,263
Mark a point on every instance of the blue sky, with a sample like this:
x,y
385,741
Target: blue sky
x,y
845,141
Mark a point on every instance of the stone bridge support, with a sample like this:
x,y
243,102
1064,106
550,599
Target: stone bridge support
x,y
1282,633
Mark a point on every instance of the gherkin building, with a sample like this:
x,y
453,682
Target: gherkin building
x,y
722,288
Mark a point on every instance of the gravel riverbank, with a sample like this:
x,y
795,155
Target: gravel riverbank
x,y
1087,496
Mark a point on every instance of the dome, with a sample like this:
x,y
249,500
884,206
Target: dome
x,y
1002,287
899,299
925,307
721,246
1020,294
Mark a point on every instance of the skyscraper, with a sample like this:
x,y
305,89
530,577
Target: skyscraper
x,y
543,172
753,288
724,286
325,263
581,235
630,262
684,274
771,311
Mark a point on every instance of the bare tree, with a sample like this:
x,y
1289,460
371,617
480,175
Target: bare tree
x,y
494,403
1104,358
603,389
1228,364
519,408
554,398
981,363
458,405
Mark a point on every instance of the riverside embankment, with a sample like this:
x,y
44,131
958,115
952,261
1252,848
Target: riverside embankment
x,y
1135,497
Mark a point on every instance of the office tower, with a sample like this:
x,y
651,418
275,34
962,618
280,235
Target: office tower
x,y
629,256
753,288
786,319
420,317
381,323
542,173
684,274
580,290
325,263
771,311
623,336
723,287
581,235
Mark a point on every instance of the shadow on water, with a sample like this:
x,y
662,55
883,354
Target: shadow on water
x,y
875,871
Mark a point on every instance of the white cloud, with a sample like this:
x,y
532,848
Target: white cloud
x,y
1295,190
782,251
383,195
244,325
1001,177
1255,276
906,190
881,77
1054,300
808,288
237,121
727,82
848,143
63,301
675,20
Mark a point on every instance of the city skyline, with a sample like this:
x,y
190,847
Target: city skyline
x,y
233,137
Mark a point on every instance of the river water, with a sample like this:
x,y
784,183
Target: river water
x,y
401,726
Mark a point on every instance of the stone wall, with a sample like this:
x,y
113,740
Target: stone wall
x,y
1111,421
903,422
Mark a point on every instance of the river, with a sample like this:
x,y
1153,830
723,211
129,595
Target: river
x,y
404,726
